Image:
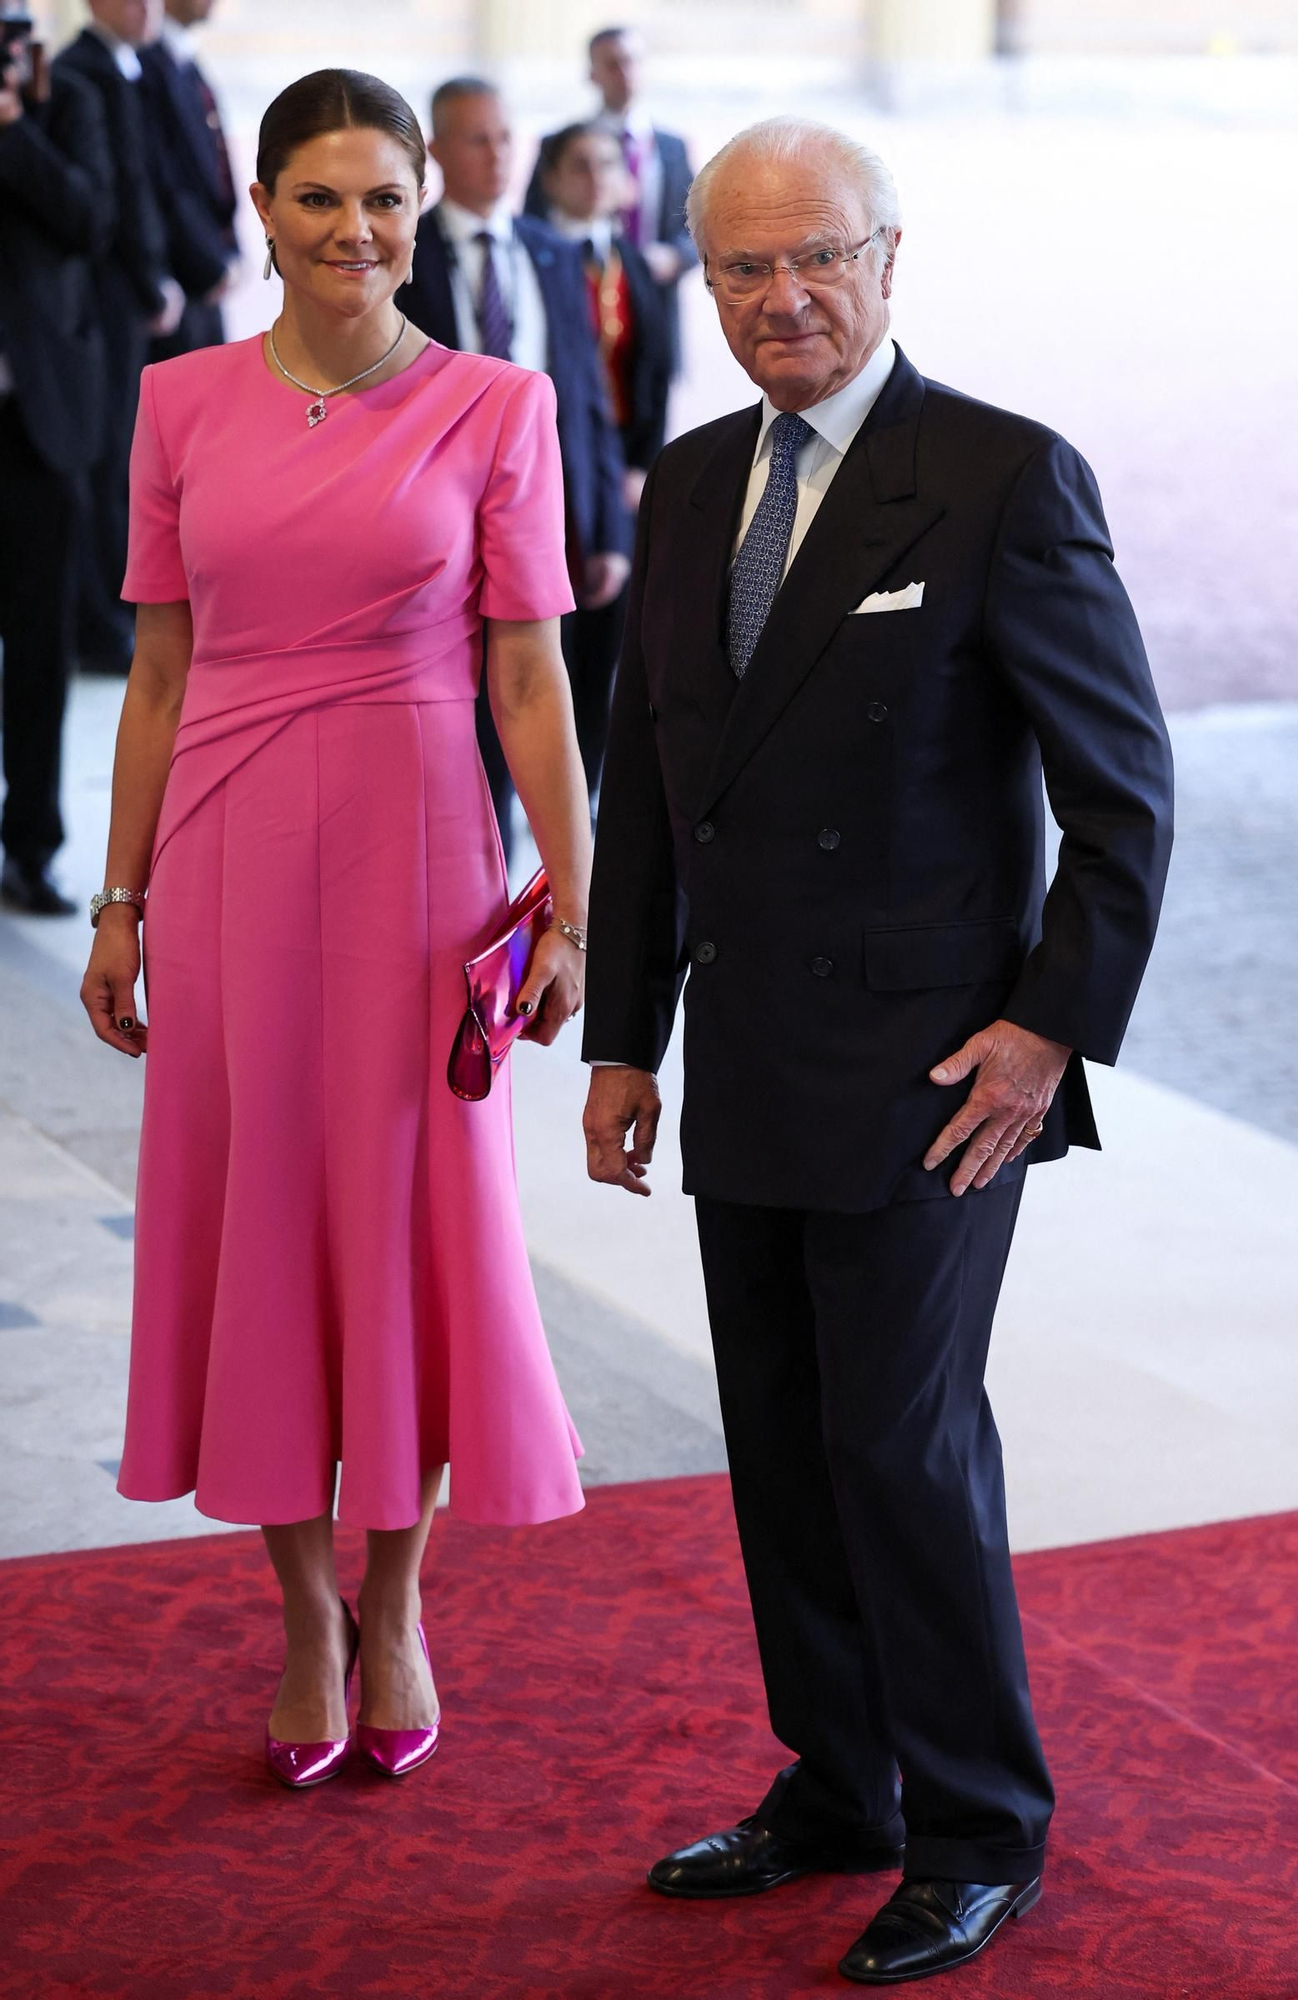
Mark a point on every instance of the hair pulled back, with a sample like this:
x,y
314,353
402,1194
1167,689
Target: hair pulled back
x,y
333,100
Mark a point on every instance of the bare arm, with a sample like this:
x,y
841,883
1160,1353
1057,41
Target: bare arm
x,y
532,706
163,644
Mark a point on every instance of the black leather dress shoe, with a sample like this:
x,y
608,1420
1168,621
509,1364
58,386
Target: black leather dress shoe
x,y
928,1927
32,893
748,1858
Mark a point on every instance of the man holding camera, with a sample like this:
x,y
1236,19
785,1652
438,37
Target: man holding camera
x,y
56,214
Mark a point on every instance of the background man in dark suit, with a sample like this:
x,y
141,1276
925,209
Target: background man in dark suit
x,y
487,281
657,164
194,179
585,184
55,214
823,796
136,297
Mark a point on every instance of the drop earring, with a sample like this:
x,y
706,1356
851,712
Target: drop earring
x,y
269,265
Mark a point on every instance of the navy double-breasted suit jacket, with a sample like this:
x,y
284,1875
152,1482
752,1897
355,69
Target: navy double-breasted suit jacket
x,y
845,850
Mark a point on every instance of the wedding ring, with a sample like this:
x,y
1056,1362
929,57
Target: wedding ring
x,y
1036,1131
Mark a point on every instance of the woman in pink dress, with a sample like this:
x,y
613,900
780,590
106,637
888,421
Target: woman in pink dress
x,y
330,1262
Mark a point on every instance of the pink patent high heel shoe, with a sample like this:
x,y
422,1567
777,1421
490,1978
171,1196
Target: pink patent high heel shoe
x,y
396,1752
300,1764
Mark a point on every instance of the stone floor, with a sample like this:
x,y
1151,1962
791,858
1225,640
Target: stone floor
x,y
1144,1371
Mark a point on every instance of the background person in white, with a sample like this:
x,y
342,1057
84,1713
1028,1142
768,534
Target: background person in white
x,y
834,819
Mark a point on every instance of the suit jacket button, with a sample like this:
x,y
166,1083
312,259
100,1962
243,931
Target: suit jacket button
x,y
822,967
704,832
705,953
877,712
828,838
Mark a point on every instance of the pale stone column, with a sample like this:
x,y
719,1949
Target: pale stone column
x,y
950,31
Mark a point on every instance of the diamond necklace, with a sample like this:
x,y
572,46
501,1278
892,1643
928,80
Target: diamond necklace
x,y
317,412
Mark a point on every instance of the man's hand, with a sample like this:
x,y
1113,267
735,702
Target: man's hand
x,y
1018,1075
11,97
164,323
664,262
602,578
619,1098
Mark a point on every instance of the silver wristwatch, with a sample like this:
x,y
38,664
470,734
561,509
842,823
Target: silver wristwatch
x,y
107,896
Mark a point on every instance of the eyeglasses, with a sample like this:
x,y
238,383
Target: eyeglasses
x,y
817,270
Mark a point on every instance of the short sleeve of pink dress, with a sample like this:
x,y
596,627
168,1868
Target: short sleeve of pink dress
x,y
155,571
330,1263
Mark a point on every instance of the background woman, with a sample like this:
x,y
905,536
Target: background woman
x,y
330,1262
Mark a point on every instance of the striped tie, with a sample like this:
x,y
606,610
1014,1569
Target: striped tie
x,y
495,332
759,567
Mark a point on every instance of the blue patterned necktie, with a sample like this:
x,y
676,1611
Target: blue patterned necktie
x,y
494,329
759,567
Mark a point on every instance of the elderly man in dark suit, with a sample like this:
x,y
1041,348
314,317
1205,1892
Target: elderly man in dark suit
x,y
56,213
486,280
865,617
136,296
194,178
657,164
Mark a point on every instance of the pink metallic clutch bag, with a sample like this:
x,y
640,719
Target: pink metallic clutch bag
x,y
494,979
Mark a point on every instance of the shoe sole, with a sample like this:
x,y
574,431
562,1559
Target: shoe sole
x,y
1016,1910
888,1858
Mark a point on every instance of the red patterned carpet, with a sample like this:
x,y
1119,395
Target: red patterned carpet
x,y
602,1702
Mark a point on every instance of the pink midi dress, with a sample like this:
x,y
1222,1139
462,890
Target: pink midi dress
x,y
330,1265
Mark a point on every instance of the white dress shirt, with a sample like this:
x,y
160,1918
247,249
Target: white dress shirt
x,y
121,52
835,422
179,40
519,286
597,230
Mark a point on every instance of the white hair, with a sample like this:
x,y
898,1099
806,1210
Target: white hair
x,y
785,141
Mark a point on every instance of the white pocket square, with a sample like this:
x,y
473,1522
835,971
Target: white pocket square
x,y
908,599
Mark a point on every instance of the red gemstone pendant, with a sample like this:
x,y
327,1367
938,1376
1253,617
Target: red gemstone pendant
x,y
316,413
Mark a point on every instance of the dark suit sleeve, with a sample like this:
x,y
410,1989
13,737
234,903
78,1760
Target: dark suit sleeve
x,y
635,971
198,251
63,176
1063,633
534,201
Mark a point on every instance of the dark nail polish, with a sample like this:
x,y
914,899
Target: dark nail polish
x,y
127,1023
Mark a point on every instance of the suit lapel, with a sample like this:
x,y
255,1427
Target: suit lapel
x,y
716,502
869,518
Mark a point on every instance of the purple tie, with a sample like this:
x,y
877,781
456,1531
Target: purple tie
x,y
495,331
632,220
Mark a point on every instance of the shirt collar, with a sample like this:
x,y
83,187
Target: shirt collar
x,y
598,232
838,419
462,225
633,120
179,39
125,57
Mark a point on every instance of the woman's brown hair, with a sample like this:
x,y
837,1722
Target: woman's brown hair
x,y
332,100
